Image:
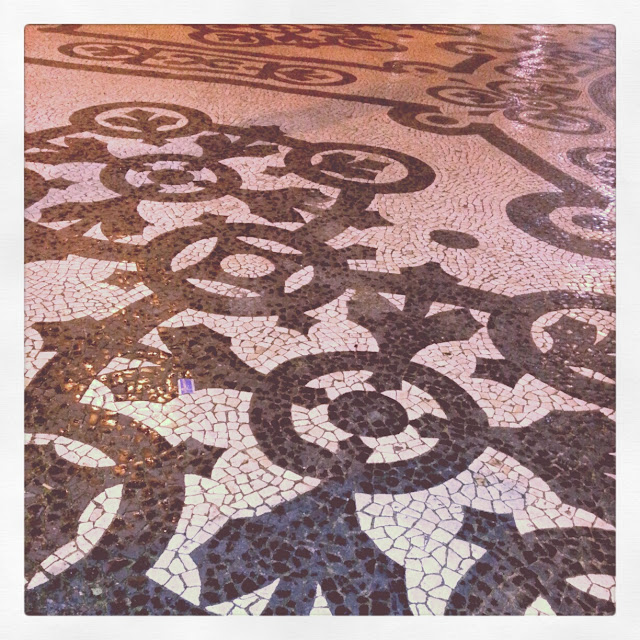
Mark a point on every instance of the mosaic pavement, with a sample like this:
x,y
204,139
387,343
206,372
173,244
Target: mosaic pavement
x,y
320,320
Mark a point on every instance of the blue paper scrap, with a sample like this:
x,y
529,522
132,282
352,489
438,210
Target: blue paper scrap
x,y
186,385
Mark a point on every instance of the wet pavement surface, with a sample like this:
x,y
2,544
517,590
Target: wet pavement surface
x,y
320,320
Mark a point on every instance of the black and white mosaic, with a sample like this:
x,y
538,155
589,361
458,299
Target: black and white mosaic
x,y
303,351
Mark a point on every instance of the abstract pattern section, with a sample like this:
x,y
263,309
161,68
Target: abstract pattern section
x,y
304,340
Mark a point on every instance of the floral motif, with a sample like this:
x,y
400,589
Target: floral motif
x,y
271,373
